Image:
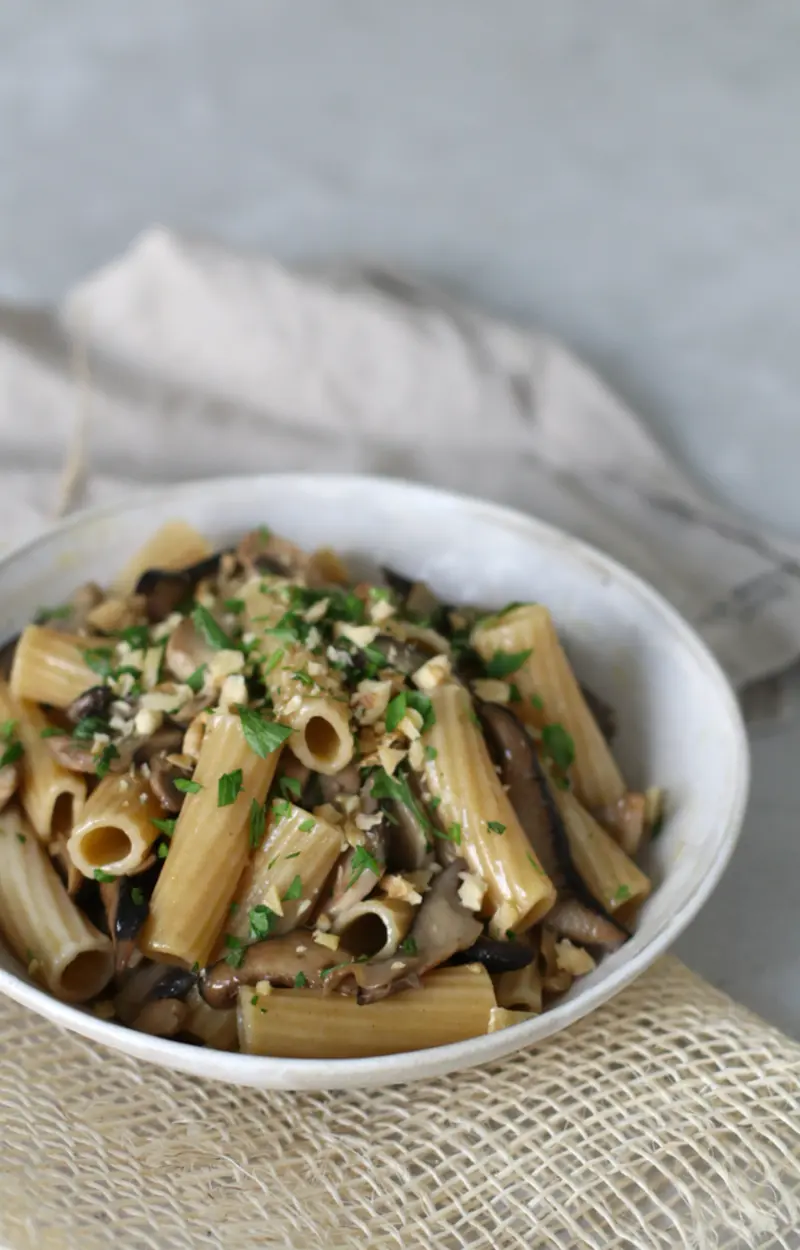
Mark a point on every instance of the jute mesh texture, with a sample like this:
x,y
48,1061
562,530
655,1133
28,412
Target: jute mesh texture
x,y
670,1118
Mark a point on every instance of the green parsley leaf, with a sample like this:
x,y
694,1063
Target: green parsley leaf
x,y
7,729
397,788
11,754
453,833
408,946
361,861
264,533
306,826
137,896
52,731
380,594
136,636
504,662
165,826
234,605
234,907
290,785
300,981
434,802
534,863
294,855
43,615
229,787
511,935
282,808
538,702
514,695
431,753
396,710
262,736
88,726
258,820
494,826
254,1000
303,678
422,703
262,921
101,875
163,850
197,680
104,759
100,660
274,660
21,838
558,744
294,891
623,893
208,628
195,967
236,951
187,787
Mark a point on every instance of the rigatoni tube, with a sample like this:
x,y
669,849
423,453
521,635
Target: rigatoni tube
x,y
39,920
49,667
306,693
209,848
475,812
609,874
288,872
551,695
452,1004
51,795
115,830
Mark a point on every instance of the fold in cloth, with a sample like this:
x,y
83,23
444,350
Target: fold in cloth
x,y
184,359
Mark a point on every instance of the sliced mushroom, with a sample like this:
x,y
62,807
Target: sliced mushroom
x,y
351,886
279,960
186,650
496,956
161,1018
9,780
73,878
264,552
165,590
406,657
527,790
78,757
348,781
166,740
151,982
96,701
572,919
443,927
127,902
163,775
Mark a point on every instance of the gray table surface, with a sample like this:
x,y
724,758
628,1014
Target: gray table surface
x,y
625,173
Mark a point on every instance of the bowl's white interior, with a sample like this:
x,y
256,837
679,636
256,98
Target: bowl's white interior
x,y
679,726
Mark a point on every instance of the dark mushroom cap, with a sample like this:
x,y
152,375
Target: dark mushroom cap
x,y
496,956
164,590
163,775
95,701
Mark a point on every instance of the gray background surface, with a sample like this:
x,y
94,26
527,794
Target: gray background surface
x,y
626,174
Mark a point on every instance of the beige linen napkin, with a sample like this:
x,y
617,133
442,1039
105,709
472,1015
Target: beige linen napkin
x,y
669,1118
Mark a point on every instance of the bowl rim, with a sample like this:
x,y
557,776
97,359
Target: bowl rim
x,y
297,1074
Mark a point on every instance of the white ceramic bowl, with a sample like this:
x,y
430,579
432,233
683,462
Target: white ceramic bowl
x,y
679,722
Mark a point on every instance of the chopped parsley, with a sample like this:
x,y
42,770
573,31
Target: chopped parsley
x,y
234,907
282,808
423,704
234,605
166,826
229,787
104,759
187,787
236,951
254,1000
294,855
534,863
434,802
137,896
262,736
538,702
7,729
21,838
262,921
136,636
12,753
511,935
398,789
257,823
88,726
197,680
306,826
43,615
100,660
494,826
303,678
213,633
290,785
274,660
264,533
101,875
623,893
504,662
514,695
558,744
408,946
396,710
294,891
431,753
362,860
163,851
453,833
300,981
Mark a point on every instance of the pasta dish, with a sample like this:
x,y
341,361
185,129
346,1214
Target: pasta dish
x,y
249,802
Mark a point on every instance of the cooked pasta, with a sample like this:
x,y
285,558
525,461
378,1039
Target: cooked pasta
x,y
41,923
245,802
51,795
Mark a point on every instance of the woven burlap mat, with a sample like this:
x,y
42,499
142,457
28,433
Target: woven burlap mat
x,y
669,1118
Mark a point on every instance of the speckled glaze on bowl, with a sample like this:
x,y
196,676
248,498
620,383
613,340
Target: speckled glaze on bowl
x,y
679,722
